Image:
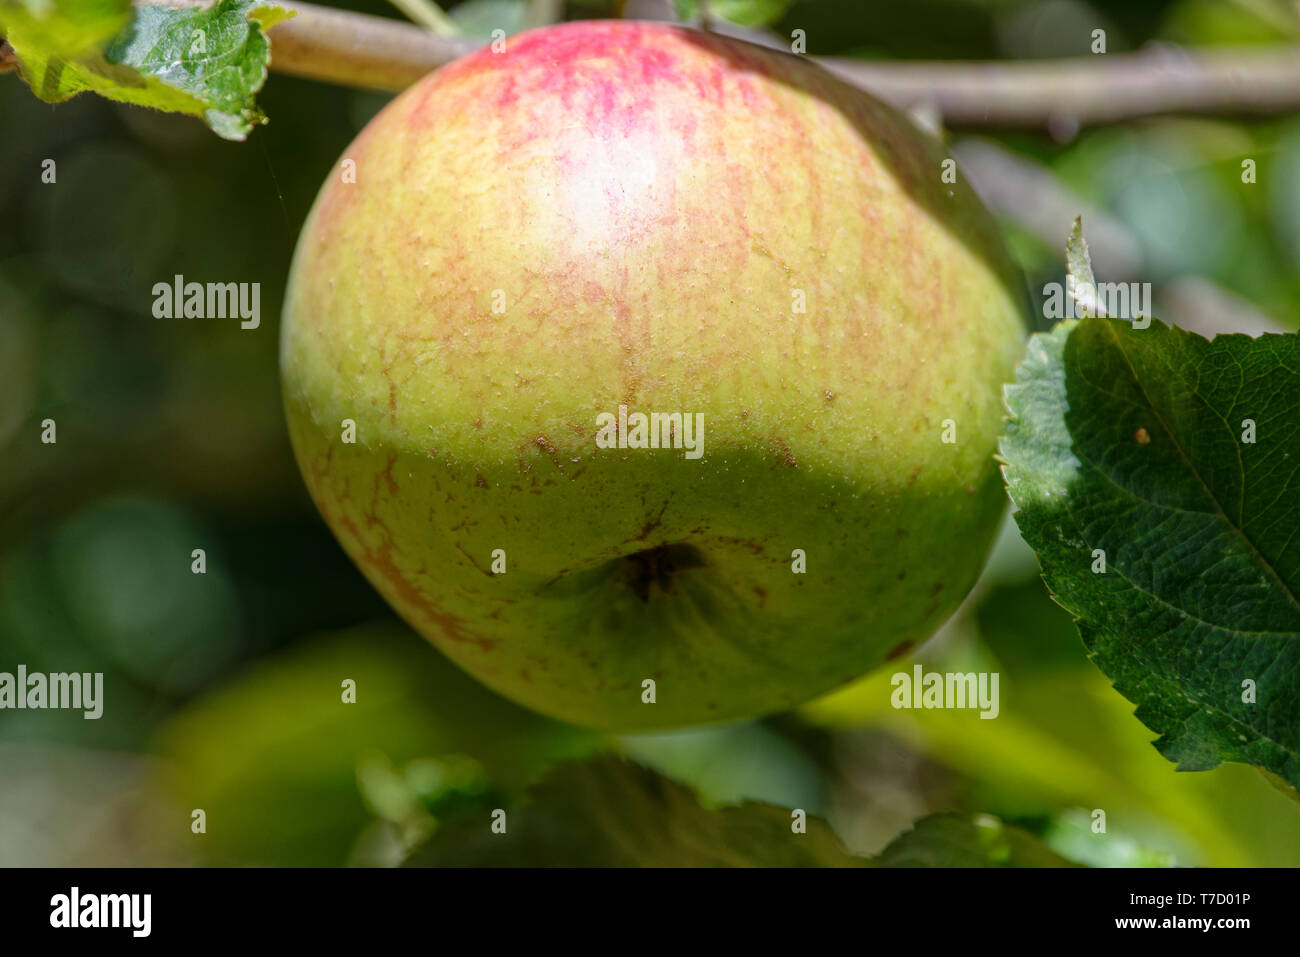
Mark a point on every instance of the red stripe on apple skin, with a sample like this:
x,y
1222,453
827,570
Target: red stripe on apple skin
x,y
616,58
382,570
613,80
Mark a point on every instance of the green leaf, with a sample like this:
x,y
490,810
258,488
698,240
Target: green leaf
x,y
206,62
67,27
745,13
1135,443
1077,260
478,18
1071,834
1083,285
960,840
609,812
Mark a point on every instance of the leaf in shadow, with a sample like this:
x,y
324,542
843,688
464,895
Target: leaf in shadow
x,y
1157,477
964,840
608,812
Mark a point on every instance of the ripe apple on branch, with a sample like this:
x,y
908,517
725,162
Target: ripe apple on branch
x,y
607,214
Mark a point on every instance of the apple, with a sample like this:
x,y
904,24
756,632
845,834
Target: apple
x,y
537,246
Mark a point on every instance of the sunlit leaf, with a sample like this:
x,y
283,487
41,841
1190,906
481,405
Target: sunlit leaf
x,y
207,62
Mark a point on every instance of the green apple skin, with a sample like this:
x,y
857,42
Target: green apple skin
x,y
618,213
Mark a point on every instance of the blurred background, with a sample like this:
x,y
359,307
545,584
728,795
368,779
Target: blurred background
x,y
223,687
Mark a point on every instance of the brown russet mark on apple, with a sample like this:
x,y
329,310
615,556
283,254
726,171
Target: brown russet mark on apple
x,y
915,472
470,558
387,373
938,587
320,466
747,543
387,475
758,245
381,560
543,443
629,347
787,454
651,524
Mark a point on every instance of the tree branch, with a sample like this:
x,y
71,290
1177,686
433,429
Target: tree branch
x,y
1059,96
1089,91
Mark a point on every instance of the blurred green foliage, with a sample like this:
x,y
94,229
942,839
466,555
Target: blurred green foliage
x,y
274,756
1067,743
171,438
